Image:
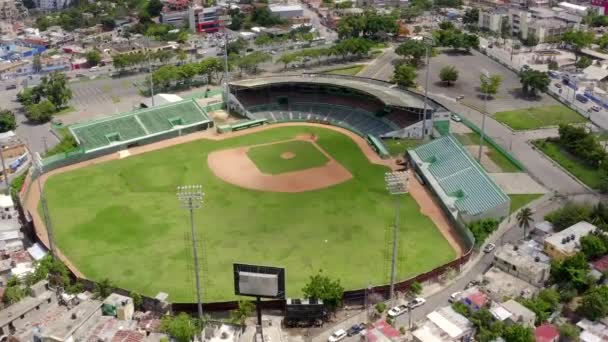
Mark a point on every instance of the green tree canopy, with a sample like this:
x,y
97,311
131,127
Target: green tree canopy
x,y
448,74
412,50
533,81
405,75
181,327
578,40
329,290
40,112
93,58
490,85
571,273
154,8
595,303
7,121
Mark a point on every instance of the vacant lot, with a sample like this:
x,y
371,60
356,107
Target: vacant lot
x,y
585,173
126,224
538,117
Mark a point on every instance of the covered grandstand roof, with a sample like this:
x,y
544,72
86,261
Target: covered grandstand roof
x,y
391,96
132,126
459,175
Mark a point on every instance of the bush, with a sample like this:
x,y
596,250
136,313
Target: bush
x,y
380,307
582,144
568,215
482,229
40,112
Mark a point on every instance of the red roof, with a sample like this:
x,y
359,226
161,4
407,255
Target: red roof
x,y
546,333
127,336
478,298
601,264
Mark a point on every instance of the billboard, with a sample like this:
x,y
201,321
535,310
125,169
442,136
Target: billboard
x,y
259,281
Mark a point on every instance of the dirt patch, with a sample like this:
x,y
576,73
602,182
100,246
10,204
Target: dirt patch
x,y
288,155
234,166
486,162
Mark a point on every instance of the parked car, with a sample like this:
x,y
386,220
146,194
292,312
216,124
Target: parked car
x,y
459,97
398,310
355,329
455,118
418,301
338,335
454,296
595,108
94,69
12,86
489,247
558,85
581,98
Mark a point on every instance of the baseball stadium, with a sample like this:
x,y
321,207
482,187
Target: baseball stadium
x,y
292,177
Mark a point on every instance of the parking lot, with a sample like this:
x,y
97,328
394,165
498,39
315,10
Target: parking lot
x,y
470,67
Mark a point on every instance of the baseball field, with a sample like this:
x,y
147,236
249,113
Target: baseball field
x,y
308,198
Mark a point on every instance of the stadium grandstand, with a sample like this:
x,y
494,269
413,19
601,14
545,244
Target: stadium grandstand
x,y
366,106
459,181
141,126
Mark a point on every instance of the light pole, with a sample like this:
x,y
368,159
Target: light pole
x,y
191,197
45,209
396,184
426,86
485,75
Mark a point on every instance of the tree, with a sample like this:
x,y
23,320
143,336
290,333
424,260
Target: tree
x,y
56,90
553,65
262,16
531,40
7,121
594,246
490,85
103,289
108,23
447,25
236,21
40,112
471,16
578,40
240,314
571,212
405,75
263,39
571,273
412,50
410,13
533,80
568,333
182,327
448,74
322,287
543,304
595,303
93,58
525,219
154,8
505,28
137,299
287,58
518,333
583,62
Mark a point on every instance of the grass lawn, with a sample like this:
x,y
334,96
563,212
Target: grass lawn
x,y
538,117
498,158
268,158
350,71
585,173
125,223
520,201
396,147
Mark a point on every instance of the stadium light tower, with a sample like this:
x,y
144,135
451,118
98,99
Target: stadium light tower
x,y
397,184
191,197
486,77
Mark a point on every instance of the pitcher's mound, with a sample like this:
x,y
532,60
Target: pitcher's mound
x,y
288,155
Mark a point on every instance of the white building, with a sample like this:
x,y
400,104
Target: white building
x,y
491,19
287,11
444,325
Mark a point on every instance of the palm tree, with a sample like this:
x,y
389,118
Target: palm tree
x,y
524,219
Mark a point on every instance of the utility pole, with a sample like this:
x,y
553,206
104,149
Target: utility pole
x,y
397,184
426,89
485,113
150,73
4,172
191,197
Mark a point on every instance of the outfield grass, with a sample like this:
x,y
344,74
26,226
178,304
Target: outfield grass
x,y
585,173
396,147
268,158
520,201
498,158
350,71
538,117
125,223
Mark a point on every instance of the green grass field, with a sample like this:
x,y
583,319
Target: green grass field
x,y
396,147
498,158
538,117
349,71
125,223
520,201
585,173
268,157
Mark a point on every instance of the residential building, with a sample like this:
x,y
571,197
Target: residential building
x,y
592,331
207,19
519,313
445,325
541,231
567,242
174,18
546,333
491,19
474,299
525,261
500,285
287,11
52,5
